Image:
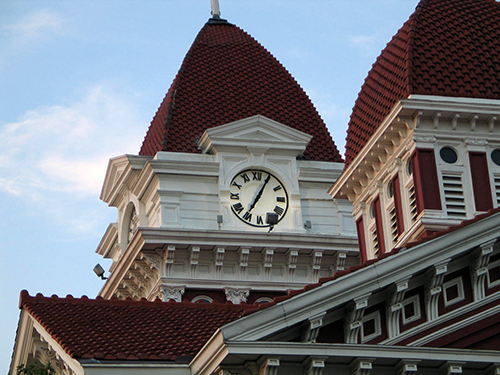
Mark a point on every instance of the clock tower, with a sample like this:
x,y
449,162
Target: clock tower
x,y
227,199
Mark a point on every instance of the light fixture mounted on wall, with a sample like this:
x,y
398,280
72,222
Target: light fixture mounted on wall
x,y
272,220
99,271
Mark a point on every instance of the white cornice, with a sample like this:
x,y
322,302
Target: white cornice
x,y
342,351
154,237
407,113
110,237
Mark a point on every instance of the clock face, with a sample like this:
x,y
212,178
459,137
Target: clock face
x,y
254,193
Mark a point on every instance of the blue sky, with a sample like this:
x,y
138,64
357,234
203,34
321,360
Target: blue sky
x,y
80,81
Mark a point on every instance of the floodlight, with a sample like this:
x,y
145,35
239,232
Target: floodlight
x,y
99,271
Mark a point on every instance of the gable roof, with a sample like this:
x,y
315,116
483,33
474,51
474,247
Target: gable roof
x,y
128,330
446,48
370,262
228,76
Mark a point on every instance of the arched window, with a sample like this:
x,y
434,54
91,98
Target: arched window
x,y
202,298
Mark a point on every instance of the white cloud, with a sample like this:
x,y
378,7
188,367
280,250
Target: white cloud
x,y
66,148
36,26
363,40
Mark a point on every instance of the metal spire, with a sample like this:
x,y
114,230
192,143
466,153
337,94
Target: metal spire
x,y
215,9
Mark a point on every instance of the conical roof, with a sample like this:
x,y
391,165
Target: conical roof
x,y
446,48
227,76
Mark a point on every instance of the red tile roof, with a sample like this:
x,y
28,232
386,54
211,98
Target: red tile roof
x,y
129,330
227,76
446,48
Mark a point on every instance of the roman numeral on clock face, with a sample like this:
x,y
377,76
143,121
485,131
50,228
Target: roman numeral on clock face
x,y
279,210
238,207
257,175
260,221
245,177
277,188
235,196
247,216
280,199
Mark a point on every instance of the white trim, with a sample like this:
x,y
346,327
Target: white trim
x,y
415,301
377,324
494,283
442,319
455,327
460,288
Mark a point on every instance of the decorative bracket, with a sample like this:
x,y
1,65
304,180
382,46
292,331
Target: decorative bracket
x,y
450,368
313,325
479,270
353,318
193,262
244,254
362,366
267,255
340,259
395,305
292,263
434,288
314,365
407,367
317,256
269,366
168,257
219,261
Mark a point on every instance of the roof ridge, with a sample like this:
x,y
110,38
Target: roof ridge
x,y
26,298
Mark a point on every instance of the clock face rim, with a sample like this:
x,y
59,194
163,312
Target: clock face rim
x,y
287,202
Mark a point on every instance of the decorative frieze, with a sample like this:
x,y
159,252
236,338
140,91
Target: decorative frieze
x,y
354,317
479,270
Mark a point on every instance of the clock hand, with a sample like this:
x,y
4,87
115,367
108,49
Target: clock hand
x,y
259,194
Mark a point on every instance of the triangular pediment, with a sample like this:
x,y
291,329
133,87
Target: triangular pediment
x,y
119,170
256,132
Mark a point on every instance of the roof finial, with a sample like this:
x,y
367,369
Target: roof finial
x,y
215,9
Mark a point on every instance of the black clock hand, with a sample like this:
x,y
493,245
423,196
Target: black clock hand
x,y
259,194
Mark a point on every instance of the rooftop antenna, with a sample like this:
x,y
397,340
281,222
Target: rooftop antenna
x,y
215,9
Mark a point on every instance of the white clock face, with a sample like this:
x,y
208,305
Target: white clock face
x,y
254,193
